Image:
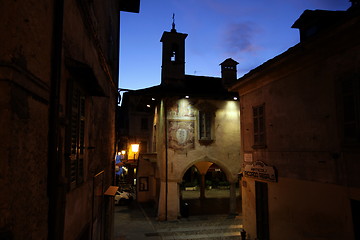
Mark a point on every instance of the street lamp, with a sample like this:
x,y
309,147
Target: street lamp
x,y
135,149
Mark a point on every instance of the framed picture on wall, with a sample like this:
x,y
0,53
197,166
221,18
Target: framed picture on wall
x,y
143,184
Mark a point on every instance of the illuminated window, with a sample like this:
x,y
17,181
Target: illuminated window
x,y
259,126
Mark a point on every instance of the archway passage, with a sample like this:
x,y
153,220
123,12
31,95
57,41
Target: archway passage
x,y
206,190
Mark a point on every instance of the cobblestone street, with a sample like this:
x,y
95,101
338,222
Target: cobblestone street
x,y
208,219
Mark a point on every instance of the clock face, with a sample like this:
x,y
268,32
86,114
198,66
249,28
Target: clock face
x,y
181,135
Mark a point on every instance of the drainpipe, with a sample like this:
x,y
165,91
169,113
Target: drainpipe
x,y
55,191
167,161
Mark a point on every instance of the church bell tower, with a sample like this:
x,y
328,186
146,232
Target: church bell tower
x,y
173,56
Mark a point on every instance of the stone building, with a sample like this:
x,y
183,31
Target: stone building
x,y
183,122
300,126
58,84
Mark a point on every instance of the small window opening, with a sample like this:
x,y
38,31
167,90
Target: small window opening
x,y
173,56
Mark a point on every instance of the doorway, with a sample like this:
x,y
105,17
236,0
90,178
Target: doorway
x,y
355,210
262,210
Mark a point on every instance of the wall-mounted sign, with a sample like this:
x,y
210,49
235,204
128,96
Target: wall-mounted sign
x,y
248,157
259,170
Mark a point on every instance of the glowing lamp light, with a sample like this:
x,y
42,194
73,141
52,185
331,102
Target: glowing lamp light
x,y
186,96
123,152
134,148
235,98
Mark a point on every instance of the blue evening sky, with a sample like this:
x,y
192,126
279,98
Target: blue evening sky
x,y
249,31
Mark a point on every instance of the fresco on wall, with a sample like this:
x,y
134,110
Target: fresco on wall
x,y
181,135
181,109
181,126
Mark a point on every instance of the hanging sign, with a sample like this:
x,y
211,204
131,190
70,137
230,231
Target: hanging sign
x,y
259,170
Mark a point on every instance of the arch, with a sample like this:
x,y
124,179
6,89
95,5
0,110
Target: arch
x,y
229,176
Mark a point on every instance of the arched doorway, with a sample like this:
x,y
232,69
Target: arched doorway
x,y
205,189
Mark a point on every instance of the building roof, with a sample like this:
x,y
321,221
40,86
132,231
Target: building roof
x,y
229,61
191,85
305,47
310,18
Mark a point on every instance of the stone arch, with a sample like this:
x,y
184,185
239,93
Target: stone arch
x,y
229,176
202,203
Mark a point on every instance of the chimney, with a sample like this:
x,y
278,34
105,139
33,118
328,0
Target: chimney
x,y
354,4
228,72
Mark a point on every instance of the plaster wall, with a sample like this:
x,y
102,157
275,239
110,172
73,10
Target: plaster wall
x,y
25,69
26,28
317,170
24,84
146,169
224,151
300,209
302,113
23,165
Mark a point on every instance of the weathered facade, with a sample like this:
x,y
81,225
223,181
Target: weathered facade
x,y
58,84
300,131
194,121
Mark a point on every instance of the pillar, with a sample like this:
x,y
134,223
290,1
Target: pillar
x,y
169,201
202,187
233,198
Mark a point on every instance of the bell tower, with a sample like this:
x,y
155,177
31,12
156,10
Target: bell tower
x,y
173,56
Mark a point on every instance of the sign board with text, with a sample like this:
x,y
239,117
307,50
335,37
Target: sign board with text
x,y
260,171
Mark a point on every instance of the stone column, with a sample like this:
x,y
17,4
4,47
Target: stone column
x,y
169,201
233,198
202,187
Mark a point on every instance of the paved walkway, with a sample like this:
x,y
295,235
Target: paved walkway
x,y
137,222
132,223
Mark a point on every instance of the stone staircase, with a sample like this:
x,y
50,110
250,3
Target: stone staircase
x,y
201,227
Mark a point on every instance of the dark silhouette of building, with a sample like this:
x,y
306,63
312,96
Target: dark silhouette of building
x,y
58,85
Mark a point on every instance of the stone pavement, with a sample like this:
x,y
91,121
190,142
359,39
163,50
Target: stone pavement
x,y
201,227
138,221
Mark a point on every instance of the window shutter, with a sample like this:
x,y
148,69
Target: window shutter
x,y
77,137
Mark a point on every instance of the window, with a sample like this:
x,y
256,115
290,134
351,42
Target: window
x,y
351,109
76,137
173,56
175,50
259,126
205,125
144,124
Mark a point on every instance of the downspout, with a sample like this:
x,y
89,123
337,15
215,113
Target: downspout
x,y
166,163
55,189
